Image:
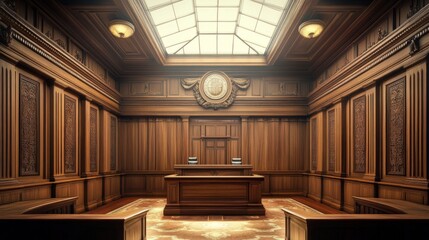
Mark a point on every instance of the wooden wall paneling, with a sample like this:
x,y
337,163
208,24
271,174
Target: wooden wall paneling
x,y
72,189
9,128
317,142
314,187
287,184
90,139
332,192
168,139
133,184
417,195
244,140
58,131
93,192
185,137
417,122
109,138
152,144
113,146
111,187
356,188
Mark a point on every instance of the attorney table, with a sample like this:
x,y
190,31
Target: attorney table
x,y
214,190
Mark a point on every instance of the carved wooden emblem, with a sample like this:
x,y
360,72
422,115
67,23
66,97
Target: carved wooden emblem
x,y
215,89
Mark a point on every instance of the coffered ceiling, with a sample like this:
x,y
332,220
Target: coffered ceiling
x,y
87,21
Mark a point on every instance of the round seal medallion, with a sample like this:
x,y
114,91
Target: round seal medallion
x,y
215,87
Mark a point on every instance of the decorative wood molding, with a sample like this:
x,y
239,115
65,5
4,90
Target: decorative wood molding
x,y
392,44
41,44
5,35
215,89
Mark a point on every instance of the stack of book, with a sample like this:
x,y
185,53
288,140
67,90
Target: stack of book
x,y
236,161
192,160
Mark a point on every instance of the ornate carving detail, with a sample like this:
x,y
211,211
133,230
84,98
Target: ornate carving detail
x,y
359,134
112,143
395,128
70,130
5,35
61,43
415,6
314,144
414,45
381,34
93,139
11,4
331,142
215,89
29,117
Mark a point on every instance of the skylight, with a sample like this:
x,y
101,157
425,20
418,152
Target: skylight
x,y
215,27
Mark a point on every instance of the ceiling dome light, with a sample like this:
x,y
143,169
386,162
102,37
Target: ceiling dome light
x,y
121,28
311,28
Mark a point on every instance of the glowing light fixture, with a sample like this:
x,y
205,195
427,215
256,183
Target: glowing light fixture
x,y
311,28
121,28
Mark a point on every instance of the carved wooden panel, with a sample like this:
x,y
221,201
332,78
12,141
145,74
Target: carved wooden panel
x,y
314,144
395,127
93,139
149,88
281,88
29,131
331,140
359,134
113,142
70,134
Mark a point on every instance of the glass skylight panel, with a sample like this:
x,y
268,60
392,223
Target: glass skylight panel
x,y
207,27
270,15
186,22
251,8
162,15
279,3
226,27
179,37
229,3
193,47
215,27
225,43
265,28
167,28
206,3
156,3
227,14
208,44
240,47
207,14
183,8
247,22
252,37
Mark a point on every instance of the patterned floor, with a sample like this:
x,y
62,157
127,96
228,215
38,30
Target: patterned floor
x,y
270,226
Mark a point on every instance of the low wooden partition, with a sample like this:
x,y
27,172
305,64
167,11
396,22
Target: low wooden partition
x,y
125,223
302,225
214,193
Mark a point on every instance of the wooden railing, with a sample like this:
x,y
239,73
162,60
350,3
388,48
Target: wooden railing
x,y
29,220
303,225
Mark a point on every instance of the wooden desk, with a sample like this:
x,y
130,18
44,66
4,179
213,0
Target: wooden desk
x,y
213,170
214,194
